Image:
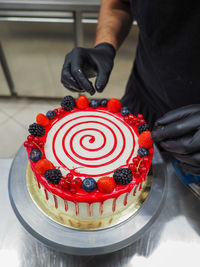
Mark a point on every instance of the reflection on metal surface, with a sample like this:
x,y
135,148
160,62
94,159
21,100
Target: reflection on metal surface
x,y
62,218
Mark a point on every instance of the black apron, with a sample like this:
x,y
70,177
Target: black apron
x,y
166,70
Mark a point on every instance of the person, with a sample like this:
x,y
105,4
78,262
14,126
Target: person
x,y
164,84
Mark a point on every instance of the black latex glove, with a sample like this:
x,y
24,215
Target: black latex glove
x,y
84,63
178,132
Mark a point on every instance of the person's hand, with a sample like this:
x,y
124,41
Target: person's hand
x,y
178,132
84,63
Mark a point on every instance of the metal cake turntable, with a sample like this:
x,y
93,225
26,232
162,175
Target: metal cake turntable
x,y
83,242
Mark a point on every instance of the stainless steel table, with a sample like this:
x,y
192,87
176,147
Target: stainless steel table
x,y
172,240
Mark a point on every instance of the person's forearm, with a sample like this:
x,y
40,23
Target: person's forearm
x,y
115,20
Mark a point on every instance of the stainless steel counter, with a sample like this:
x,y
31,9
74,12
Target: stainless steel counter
x,y
172,240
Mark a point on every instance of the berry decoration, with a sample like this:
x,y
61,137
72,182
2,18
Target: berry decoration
x,y
89,184
114,105
106,184
145,139
142,128
82,102
43,165
143,151
123,176
35,155
104,102
68,103
94,103
42,120
36,129
53,176
124,111
51,114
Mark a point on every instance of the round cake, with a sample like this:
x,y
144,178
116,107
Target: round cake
x,y
90,159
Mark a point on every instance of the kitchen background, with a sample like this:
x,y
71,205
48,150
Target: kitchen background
x,y
34,41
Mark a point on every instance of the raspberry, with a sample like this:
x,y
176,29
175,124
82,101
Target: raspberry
x,y
53,176
43,165
82,102
36,129
68,103
142,128
114,105
123,176
42,120
145,139
106,184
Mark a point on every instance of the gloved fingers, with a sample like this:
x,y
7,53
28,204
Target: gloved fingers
x,y
175,129
178,114
183,145
190,159
68,80
78,74
191,169
101,80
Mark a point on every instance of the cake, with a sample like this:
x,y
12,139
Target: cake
x,y
90,159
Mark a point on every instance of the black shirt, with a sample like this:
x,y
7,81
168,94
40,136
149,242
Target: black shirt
x,y
166,71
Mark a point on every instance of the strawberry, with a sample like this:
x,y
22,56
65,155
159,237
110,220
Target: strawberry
x,y
106,184
82,102
114,105
145,140
42,120
43,165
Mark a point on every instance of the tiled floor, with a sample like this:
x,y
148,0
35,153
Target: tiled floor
x,y
15,117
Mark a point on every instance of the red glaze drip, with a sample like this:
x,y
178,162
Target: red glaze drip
x,y
101,208
76,208
66,205
38,184
55,201
140,186
125,199
114,204
46,194
90,209
135,189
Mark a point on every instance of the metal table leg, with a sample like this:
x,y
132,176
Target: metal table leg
x,y
6,72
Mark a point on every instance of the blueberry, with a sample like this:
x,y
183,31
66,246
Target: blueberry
x,y
51,114
94,103
143,151
125,111
35,155
103,102
89,184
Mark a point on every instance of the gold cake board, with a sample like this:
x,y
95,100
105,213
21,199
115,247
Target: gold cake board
x,y
62,218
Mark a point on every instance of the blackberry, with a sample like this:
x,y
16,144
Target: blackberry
x,y
143,151
51,114
68,103
142,128
36,129
53,176
123,176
